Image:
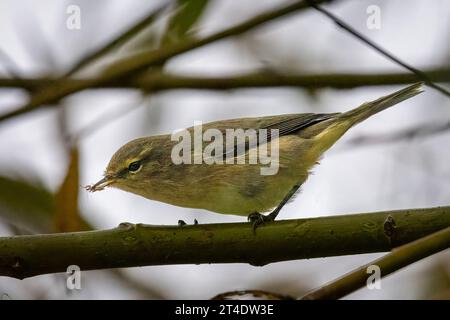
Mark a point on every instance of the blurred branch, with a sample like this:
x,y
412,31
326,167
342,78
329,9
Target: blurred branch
x,y
132,245
114,43
129,66
342,24
257,294
159,81
144,290
399,258
9,65
108,117
421,131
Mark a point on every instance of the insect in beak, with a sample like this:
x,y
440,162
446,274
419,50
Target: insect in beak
x,y
100,185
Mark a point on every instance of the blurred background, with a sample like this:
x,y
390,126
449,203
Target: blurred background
x,y
47,155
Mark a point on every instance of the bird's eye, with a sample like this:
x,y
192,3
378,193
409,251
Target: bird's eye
x,y
134,166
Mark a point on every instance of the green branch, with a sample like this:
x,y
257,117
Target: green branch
x,y
399,258
159,82
142,245
129,66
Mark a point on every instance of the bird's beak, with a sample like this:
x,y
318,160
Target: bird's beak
x,y
100,185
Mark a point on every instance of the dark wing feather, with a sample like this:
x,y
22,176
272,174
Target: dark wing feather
x,y
294,125
288,125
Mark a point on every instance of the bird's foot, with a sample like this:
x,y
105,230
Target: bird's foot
x,y
257,219
182,223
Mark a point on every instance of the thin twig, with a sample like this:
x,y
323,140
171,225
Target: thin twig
x,y
10,66
105,119
420,74
114,43
422,131
399,258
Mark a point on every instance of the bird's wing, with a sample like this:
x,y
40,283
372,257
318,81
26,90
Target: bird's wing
x,y
285,124
301,121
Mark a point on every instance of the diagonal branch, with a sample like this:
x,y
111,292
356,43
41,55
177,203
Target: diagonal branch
x,y
399,258
420,74
101,51
143,245
141,61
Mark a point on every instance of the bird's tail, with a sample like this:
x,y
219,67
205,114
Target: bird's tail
x,y
368,109
334,129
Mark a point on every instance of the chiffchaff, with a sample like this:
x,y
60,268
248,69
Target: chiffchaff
x,y
145,166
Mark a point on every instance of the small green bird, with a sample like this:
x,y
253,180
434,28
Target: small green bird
x,y
145,166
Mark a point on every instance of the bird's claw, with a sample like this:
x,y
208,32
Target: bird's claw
x,y
257,219
182,223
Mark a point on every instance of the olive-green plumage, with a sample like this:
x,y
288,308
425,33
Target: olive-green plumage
x,y
239,188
